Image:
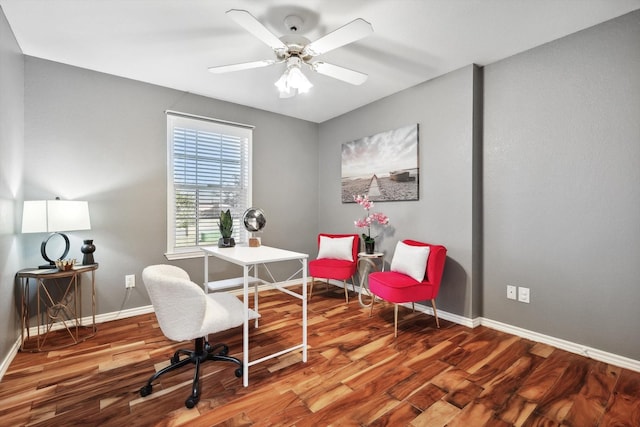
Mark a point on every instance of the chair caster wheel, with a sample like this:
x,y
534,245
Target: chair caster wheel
x,y
191,402
238,372
145,391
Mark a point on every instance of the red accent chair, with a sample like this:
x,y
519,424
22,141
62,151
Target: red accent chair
x,y
335,260
397,287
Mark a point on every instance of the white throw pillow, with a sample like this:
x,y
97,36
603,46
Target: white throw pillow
x,y
410,260
336,248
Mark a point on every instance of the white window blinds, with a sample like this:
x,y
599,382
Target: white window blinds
x,y
209,171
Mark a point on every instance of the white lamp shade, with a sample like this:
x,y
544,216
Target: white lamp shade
x,y
281,84
298,80
34,216
39,216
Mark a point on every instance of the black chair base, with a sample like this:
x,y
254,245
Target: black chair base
x,y
203,351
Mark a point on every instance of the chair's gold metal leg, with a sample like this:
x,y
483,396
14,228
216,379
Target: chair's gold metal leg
x,y
346,291
413,306
395,322
373,300
311,289
435,313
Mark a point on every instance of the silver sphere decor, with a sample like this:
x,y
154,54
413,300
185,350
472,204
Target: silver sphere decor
x,y
254,221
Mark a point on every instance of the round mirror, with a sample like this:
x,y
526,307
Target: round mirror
x,y
254,220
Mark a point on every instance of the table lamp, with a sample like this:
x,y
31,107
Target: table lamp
x,y
55,216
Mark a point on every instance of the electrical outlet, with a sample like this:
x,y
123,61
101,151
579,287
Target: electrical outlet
x,y
130,281
523,295
511,292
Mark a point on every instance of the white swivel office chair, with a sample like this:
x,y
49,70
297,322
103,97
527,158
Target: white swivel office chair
x,y
185,312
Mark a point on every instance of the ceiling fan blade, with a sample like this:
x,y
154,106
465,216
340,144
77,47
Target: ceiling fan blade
x,y
348,33
255,27
242,66
340,73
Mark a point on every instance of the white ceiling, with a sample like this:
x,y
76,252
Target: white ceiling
x,y
172,42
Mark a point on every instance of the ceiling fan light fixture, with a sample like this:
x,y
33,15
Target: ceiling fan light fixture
x,y
298,80
281,83
283,86
293,80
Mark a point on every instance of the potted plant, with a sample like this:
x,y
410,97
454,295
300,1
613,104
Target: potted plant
x,y
368,220
226,230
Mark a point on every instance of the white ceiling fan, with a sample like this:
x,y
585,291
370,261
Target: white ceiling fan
x,y
296,51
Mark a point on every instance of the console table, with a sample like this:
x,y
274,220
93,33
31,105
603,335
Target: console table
x,y
58,307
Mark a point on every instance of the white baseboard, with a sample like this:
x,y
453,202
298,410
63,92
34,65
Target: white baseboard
x,y
131,312
7,360
455,318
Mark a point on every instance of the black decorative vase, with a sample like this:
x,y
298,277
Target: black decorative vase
x,y
370,246
226,242
88,248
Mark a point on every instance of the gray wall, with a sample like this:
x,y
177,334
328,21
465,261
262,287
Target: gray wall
x,y
102,138
11,161
444,213
562,187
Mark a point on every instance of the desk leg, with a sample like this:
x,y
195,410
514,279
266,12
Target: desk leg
x,y
304,310
255,294
245,328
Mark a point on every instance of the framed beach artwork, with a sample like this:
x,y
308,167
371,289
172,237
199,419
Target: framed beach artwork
x,y
384,166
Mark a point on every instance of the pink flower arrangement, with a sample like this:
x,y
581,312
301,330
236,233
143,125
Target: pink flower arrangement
x,y
370,218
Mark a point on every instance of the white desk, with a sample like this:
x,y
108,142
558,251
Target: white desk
x,y
249,258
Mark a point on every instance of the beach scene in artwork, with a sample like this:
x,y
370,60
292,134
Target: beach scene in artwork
x,y
384,166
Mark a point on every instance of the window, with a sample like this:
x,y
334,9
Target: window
x,y
209,170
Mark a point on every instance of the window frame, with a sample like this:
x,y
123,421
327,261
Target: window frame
x,y
200,123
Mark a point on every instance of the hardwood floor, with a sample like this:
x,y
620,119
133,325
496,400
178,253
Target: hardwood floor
x,y
357,374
